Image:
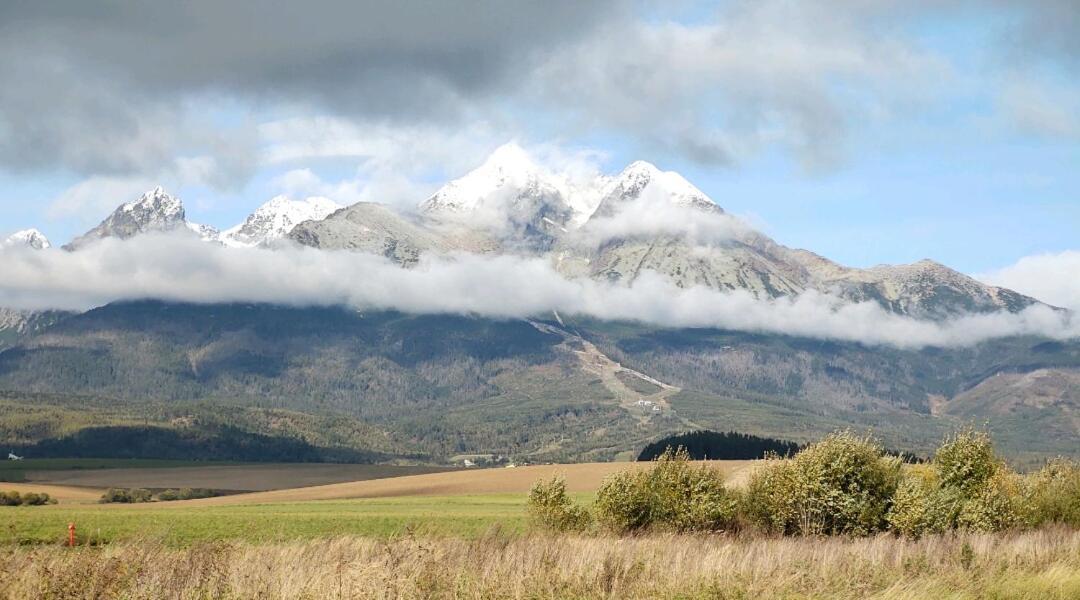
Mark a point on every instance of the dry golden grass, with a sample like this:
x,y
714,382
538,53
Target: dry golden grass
x,y
1036,564
583,477
63,494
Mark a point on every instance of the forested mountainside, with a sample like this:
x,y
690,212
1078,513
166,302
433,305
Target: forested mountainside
x,y
442,386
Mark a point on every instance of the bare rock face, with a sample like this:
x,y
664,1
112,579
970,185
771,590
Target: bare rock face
x,y
155,210
371,228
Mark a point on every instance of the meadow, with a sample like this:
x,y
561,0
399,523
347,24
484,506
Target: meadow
x,y
457,503
1043,564
188,523
478,534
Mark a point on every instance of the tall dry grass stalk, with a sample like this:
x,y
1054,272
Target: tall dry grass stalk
x,y
1034,564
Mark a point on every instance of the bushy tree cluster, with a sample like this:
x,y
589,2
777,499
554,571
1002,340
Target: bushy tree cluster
x,y
550,507
845,484
13,498
672,495
185,494
967,486
126,496
842,484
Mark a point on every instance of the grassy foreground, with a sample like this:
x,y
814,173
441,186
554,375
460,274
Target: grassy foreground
x,y
195,522
1035,564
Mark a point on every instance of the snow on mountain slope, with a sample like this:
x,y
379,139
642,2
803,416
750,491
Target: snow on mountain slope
x,y
27,238
643,181
155,210
514,198
276,219
206,233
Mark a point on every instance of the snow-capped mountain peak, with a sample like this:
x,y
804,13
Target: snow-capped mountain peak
x,y
643,180
276,218
155,210
507,171
156,205
27,238
510,196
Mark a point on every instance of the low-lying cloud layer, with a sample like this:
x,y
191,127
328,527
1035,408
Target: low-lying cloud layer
x,y
179,268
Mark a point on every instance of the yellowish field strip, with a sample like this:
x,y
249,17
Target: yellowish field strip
x,y
64,494
585,477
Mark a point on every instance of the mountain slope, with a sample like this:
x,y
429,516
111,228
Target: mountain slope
x,y
154,211
548,391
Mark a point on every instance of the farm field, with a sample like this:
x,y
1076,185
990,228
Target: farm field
x,y
460,503
237,478
19,470
192,522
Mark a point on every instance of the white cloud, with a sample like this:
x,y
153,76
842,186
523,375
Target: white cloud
x,y
654,214
797,75
180,268
91,199
1053,278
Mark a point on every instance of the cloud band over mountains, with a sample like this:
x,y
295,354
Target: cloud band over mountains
x,y
180,268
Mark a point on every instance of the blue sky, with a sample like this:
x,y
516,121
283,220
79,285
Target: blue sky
x,y
869,134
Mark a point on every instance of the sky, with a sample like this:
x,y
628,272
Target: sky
x,y
869,131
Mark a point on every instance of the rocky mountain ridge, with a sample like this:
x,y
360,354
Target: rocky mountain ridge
x,y
609,228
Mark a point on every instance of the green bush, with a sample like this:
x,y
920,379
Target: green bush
x,y
995,506
27,499
966,461
126,496
550,507
843,484
672,495
965,487
921,506
185,494
1053,494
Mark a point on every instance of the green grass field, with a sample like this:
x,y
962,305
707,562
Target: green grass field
x,y
460,515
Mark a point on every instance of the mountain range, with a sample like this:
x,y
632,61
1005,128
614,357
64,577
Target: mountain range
x,y
553,387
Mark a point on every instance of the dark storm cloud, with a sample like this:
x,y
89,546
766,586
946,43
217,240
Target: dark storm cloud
x,y
103,87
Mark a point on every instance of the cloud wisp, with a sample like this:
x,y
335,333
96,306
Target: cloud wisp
x,y
1053,278
179,268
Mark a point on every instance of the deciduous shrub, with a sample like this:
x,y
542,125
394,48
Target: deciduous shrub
x,y
26,499
966,461
966,486
1053,494
128,496
842,484
672,495
185,494
920,505
550,507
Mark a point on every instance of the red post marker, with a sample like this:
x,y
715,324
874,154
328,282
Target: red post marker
x,y
71,534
